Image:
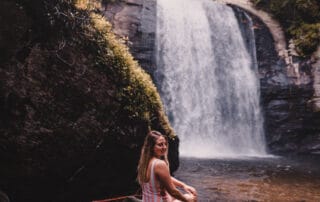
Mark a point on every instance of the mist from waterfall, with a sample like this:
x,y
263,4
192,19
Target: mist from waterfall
x,y
207,80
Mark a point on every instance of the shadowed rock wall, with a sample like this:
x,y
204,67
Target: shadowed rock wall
x,y
291,123
135,21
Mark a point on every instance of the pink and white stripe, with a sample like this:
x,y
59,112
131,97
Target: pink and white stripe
x,y
150,192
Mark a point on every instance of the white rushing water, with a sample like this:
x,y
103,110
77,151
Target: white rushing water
x,y
208,80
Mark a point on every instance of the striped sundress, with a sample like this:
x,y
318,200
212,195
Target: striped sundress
x,y
151,191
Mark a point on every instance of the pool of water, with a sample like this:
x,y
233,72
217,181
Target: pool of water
x,y
253,179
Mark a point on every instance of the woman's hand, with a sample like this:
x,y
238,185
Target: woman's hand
x,y
190,189
191,197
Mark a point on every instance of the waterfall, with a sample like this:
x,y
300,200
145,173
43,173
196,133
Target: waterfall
x,y
207,79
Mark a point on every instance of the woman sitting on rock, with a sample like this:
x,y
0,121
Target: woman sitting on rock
x,y
154,175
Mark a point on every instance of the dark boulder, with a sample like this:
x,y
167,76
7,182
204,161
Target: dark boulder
x,y
72,116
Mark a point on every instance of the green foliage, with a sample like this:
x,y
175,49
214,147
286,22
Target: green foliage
x,y
78,23
306,37
137,96
300,20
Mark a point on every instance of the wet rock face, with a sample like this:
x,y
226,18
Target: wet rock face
x,y
135,21
291,125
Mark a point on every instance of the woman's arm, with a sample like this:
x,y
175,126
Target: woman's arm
x,y
177,183
163,174
187,188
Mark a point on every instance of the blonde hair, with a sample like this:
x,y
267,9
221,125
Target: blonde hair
x,y
147,153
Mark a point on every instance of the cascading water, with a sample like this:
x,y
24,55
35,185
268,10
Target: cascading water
x,y
207,80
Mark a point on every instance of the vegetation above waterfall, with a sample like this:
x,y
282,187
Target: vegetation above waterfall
x,y
300,19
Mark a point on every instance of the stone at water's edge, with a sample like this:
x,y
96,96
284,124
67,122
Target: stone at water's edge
x,y
291,124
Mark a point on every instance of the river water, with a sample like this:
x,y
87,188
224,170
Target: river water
x,y
253,179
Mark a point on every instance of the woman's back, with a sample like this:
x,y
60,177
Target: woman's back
x,y
152,190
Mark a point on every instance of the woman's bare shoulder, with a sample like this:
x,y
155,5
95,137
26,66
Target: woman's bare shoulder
x,y
162,170
160,164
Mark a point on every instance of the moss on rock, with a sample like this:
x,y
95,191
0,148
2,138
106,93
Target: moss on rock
x,y
75,106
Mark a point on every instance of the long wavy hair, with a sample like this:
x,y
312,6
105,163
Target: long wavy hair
x,y
147,152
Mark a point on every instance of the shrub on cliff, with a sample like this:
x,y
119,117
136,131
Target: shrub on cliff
x,y
300,19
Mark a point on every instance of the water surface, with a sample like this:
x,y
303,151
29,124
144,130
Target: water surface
x,y
253,179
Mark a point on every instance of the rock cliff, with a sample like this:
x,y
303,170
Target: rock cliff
x,y
289,84
287,90
135,20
